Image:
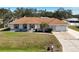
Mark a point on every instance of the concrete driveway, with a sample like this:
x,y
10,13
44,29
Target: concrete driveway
x,y
74,33
69,40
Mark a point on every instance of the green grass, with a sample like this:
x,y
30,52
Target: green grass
x,y
74,28
24,41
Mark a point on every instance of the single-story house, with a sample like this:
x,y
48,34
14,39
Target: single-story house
x,y
28,23
73,21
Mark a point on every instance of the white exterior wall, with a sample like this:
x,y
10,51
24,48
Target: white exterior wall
x,y
11,26
51,26
20,26
58,27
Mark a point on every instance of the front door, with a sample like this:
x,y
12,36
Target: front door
x,y
32,26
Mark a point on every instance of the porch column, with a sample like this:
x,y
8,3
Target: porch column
x,y
28,26
20,26
37,26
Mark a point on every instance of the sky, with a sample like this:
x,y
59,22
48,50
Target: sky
x,y
49,5
75,10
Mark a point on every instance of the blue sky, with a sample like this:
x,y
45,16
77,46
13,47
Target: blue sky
x,y
75,10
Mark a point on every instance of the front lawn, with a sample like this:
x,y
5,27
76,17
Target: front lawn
x,y
74,28
24,41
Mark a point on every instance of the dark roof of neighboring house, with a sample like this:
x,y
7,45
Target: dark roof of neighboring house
x,y
72,19
37,20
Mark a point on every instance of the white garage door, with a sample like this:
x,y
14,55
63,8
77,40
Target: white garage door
x,y
60,28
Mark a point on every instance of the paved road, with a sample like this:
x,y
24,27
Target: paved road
x,y
69,41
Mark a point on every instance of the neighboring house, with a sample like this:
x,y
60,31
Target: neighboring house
x,y
28,23
73,21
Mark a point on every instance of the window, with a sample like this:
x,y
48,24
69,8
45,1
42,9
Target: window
x,y
24,26
16,26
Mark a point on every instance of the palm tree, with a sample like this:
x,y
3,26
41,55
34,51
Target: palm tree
x,y
44,26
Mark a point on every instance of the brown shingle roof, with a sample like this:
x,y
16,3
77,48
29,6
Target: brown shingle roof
x,y
37,20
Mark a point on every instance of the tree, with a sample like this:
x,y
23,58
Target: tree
x,y
3,11
8,17
48,14
44,26
21,12
76,16
61,13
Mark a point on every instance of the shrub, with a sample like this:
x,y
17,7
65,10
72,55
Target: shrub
x,y
48,30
